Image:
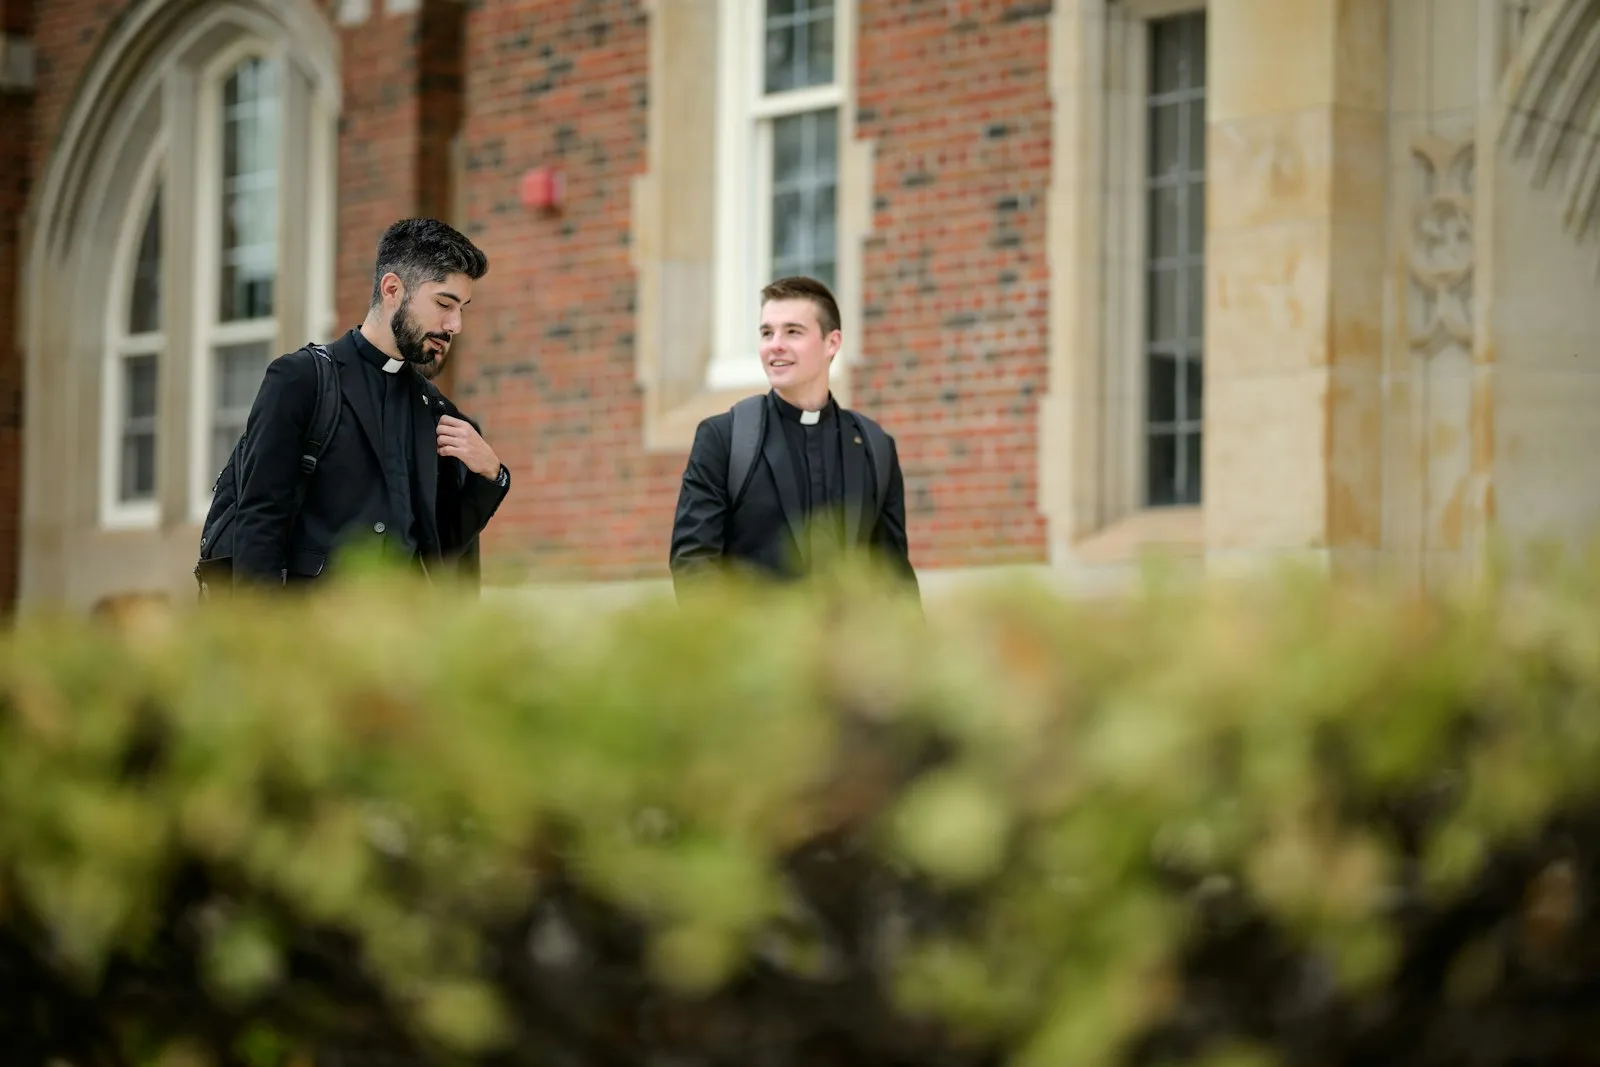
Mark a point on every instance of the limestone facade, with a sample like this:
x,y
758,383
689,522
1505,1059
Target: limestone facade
x,y
1400,318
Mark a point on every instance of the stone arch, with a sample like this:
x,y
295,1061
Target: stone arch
x,y
122,72
1550,108
138,105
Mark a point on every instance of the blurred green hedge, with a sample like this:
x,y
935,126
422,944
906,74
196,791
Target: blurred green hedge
x,y
1278,822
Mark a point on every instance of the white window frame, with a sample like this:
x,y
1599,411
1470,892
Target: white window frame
x,y
208,332
120,346
745,116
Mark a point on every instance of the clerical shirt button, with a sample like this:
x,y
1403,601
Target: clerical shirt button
x,y
378,527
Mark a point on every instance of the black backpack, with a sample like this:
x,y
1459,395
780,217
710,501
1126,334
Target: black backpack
x,y
750,429
215,567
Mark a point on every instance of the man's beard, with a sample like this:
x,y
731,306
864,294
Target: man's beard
x,y
409,339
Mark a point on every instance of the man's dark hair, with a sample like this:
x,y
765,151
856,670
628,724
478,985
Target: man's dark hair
x,y
422,251
806,289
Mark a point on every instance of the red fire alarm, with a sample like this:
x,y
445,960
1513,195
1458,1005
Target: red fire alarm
x,y
543,188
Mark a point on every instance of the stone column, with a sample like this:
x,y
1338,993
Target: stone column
x,y
1295,247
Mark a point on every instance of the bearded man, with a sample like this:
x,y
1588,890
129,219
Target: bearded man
x,y
401,473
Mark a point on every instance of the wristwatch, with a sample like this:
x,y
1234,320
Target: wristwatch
x,y
503,478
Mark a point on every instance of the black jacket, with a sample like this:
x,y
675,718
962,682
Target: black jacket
x,y
346,498
761,532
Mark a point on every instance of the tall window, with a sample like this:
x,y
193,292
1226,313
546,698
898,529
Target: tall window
x,y
1175,260
798,115
133,374
209,184
784,89
243,330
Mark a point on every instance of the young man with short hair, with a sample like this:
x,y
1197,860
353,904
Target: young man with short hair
x,y
782,480
402,472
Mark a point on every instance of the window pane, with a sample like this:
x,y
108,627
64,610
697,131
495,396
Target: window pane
x,y
788,226
137,480
236,375
138,388
799,51
823,244
1194,312
780,60
788,149
144,298
819,52
250,191
1166,222
1173,468
1161,395
1192,466
1166,144
136,474
1195,218
804,193
1177,53
1195,26
1194,390
1175,269
1195,116
1162,315
1161,460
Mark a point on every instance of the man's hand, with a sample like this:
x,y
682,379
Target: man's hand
x,y
459,440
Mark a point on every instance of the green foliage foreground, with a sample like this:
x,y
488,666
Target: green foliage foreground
x,y
1284,823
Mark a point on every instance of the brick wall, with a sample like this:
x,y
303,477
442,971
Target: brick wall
x,y
955,97
65,35
402,104
16,118
550,365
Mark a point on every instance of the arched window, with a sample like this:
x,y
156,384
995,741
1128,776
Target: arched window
x,y
245,286
184,237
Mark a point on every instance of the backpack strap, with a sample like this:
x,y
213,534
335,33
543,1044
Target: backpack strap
x,y
879,451
749,428
324,420
324,413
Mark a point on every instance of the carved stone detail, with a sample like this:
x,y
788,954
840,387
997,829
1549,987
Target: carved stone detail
x,y
1440,259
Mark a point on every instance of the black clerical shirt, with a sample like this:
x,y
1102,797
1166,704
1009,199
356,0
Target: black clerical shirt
x,y
817,451
395,397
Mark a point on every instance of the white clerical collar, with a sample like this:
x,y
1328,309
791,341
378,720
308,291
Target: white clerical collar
x,y
393,366
810,418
